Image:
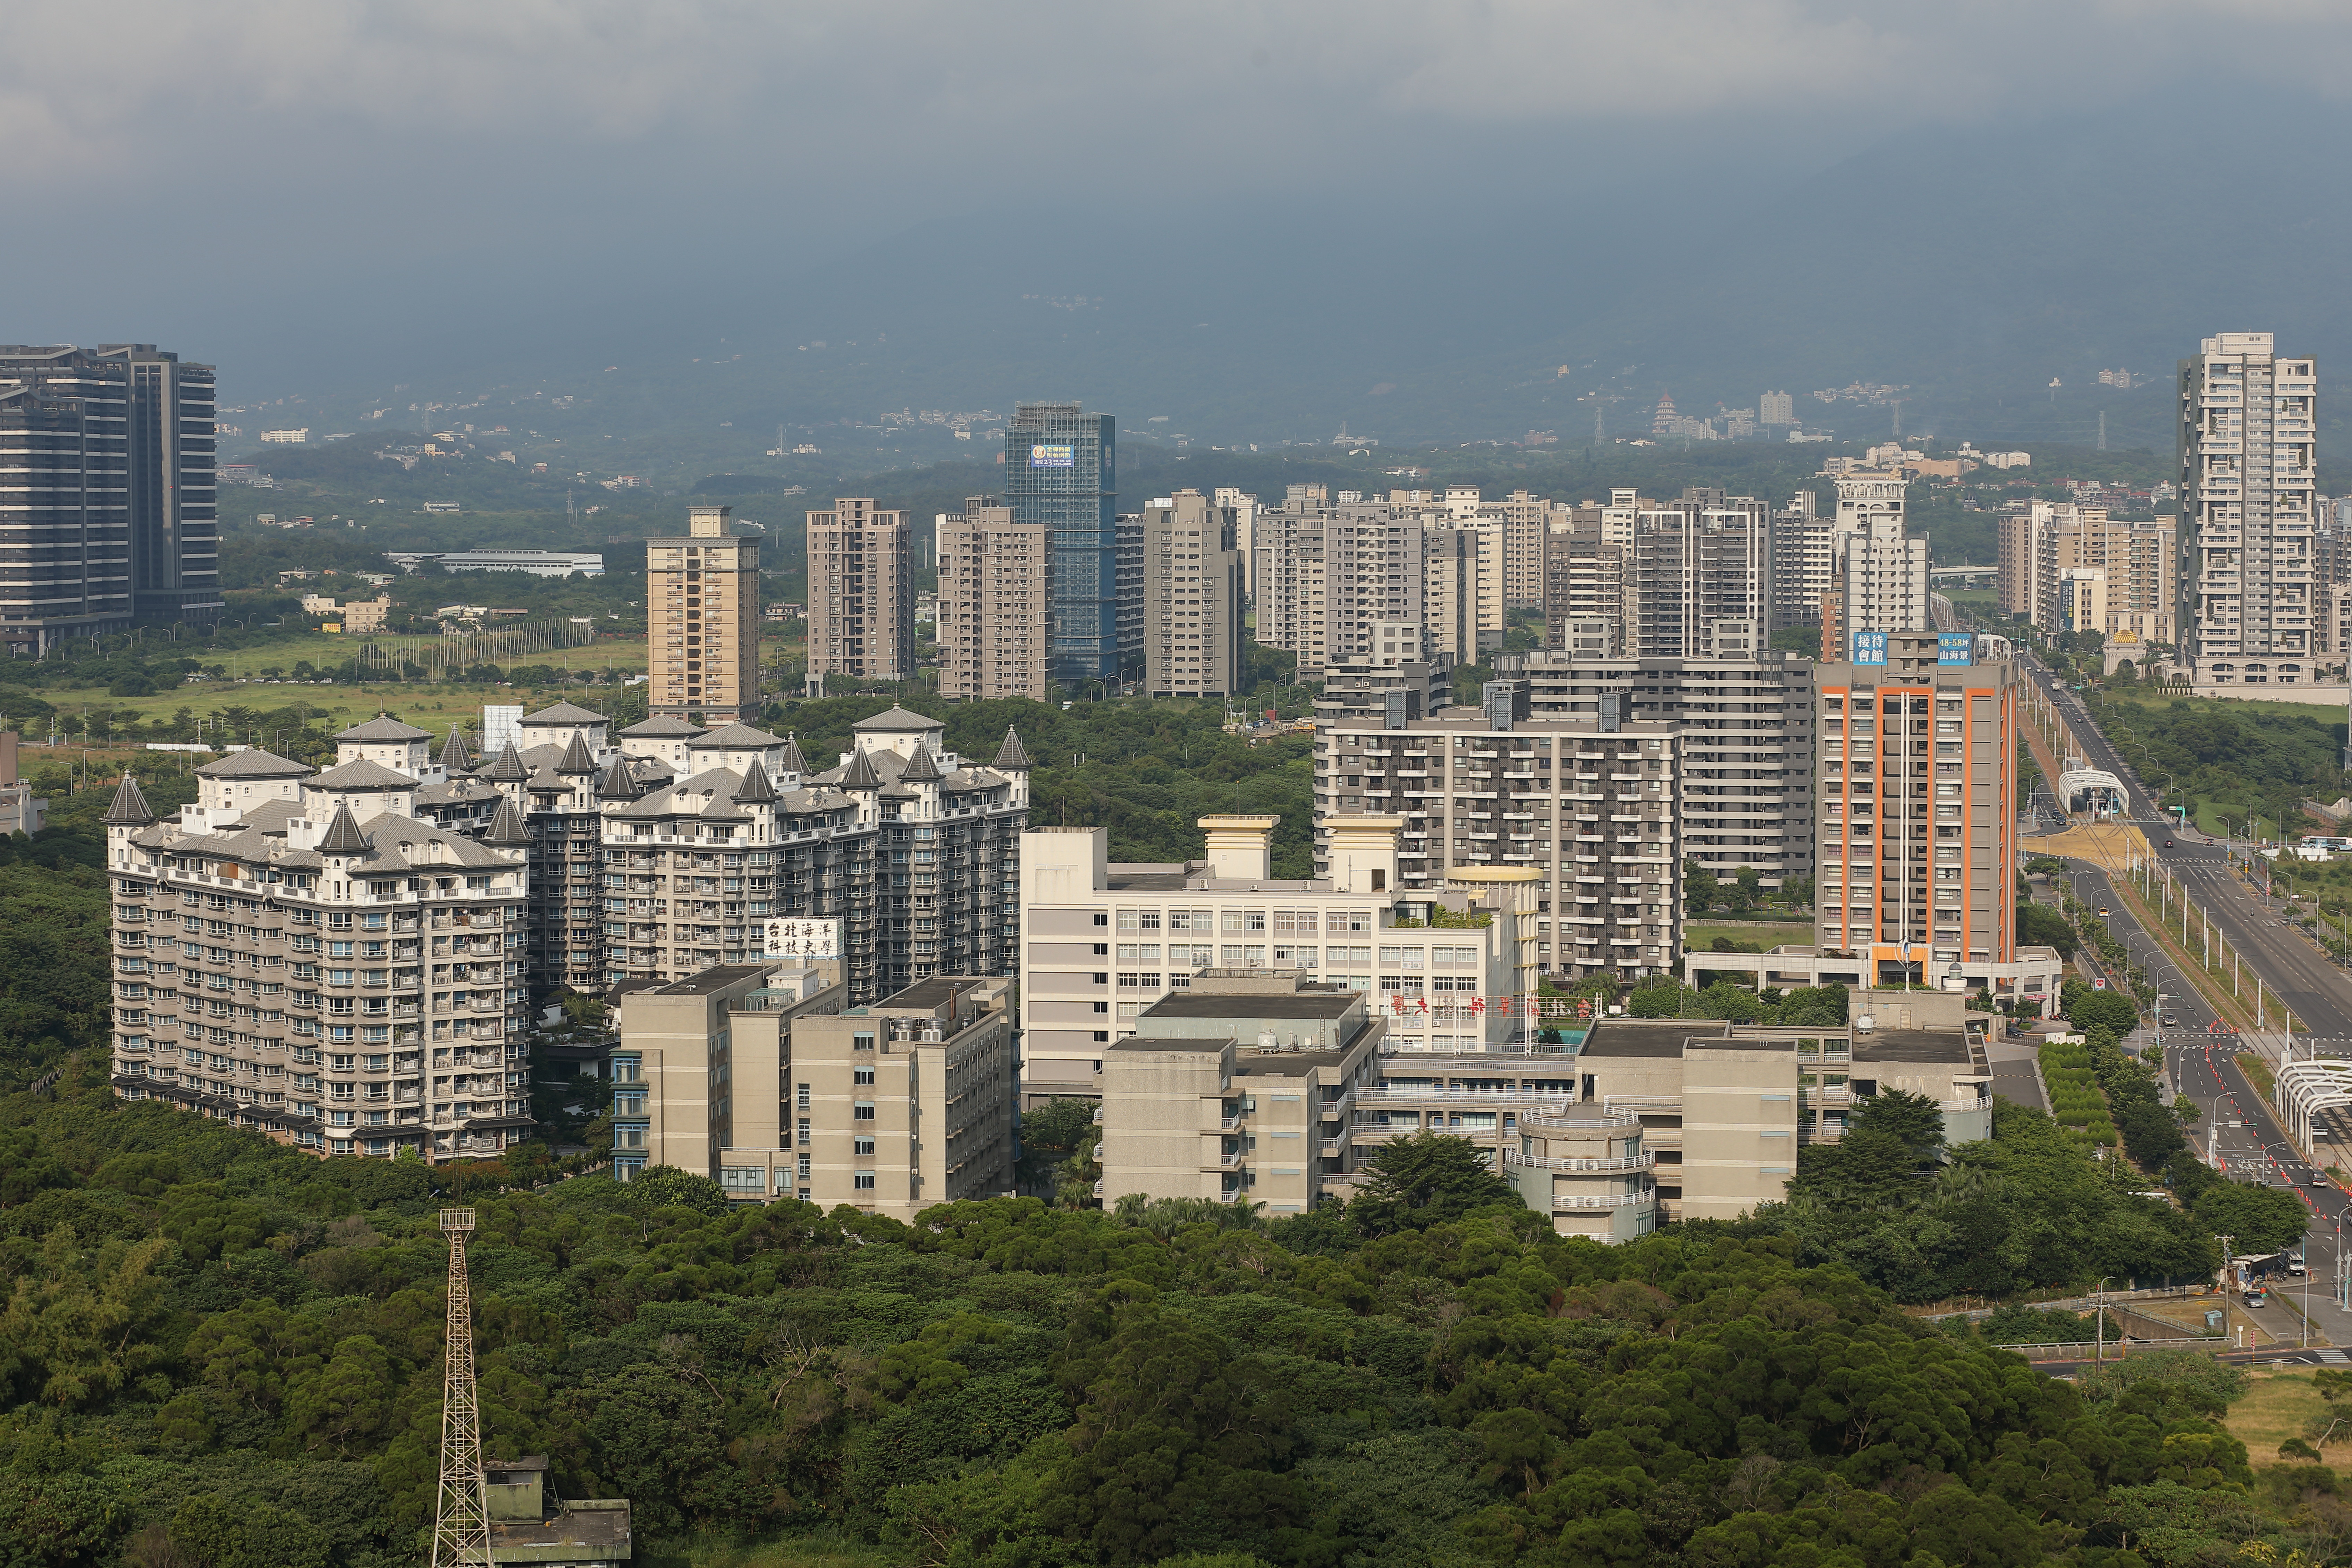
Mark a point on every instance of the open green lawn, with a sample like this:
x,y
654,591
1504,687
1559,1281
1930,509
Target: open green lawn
x,y
1758,935
2234,707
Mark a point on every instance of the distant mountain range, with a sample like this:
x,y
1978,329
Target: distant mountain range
x,y
1969,268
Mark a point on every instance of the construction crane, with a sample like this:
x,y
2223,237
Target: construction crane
x,y
461,1512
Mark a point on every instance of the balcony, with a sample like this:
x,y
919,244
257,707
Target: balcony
x,y
1565,1201
1644,1161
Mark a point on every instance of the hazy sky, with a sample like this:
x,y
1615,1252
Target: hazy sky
x,y
249,177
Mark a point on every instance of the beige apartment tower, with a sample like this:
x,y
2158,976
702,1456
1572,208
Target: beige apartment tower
x,y
702,621
995,588
861,608
2248,494
1193,593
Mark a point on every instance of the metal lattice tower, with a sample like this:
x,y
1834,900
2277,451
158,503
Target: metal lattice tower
x,y
461,1515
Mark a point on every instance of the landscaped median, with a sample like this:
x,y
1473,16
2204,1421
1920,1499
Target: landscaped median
x,y
2076,1102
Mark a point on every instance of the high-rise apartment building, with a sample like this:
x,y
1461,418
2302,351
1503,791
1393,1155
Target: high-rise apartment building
x,y
1585,583
1880,572
174,525
1193,627
320,964
1776,408
1747,743
1331,575
702,620
1061,470
861,605
1917,811
2042,541
912,848
1130,596
1588,803
996,590
106,482
1243,506
2249,505
1804,562
1701,578
1526,518
1103,942
1287,575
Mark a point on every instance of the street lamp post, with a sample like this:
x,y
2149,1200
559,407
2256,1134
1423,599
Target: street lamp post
x,y
2099,1312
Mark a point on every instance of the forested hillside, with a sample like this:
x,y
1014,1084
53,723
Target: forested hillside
x,y
218,1351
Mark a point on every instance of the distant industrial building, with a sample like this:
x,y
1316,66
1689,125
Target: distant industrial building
x,y
536,562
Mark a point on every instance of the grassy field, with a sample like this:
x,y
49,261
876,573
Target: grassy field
x,y
2234,707
2278,1405
432,705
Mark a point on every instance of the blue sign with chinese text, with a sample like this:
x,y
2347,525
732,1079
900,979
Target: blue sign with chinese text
x,y
1870,647
1955,648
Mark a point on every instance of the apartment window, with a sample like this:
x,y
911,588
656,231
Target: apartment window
x,y
801,1100
1139,953
1102,1006
865,1181
861,1042
862,1146
862,1111
1129,980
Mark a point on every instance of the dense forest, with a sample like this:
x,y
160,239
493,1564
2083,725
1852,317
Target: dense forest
x,y
218,1351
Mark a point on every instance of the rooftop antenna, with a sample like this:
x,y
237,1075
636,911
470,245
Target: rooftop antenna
x,y
461,1514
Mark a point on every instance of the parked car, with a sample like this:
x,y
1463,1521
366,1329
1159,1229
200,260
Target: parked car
x,y
2259,1296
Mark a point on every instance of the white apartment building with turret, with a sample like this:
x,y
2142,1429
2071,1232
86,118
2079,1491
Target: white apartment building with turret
x,y
302,955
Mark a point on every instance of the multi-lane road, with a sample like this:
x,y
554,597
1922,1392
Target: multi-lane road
x,y
2313,987
2235,1122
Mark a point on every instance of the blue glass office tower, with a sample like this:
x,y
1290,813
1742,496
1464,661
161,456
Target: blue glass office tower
x,y
1061,468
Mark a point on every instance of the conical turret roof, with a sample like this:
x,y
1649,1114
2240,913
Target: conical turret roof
x,y
860,773
576,759
618,782
130,807
792,761
920,768
455,755
507,768
755,789
1013,755
343,834
507,829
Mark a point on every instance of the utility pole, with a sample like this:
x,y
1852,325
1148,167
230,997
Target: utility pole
x,y
461,1516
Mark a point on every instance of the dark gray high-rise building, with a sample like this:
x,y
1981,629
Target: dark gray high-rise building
x,y
1061,470
105,491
